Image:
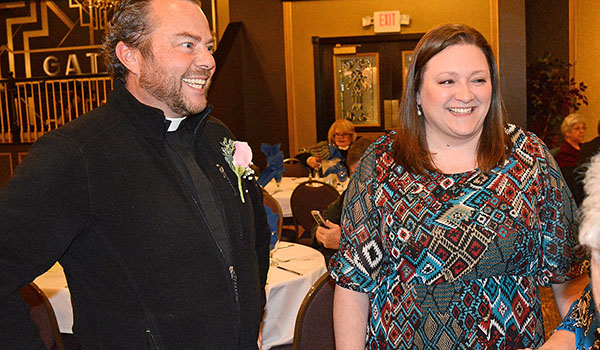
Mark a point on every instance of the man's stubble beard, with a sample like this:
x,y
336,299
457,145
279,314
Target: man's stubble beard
x,y
168,89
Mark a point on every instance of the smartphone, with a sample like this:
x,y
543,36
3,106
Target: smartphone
x,y
318,218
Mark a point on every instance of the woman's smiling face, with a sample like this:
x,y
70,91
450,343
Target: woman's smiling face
x,y
456,93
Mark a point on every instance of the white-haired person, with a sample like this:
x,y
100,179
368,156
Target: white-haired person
x,y
341,135
580,328
573,129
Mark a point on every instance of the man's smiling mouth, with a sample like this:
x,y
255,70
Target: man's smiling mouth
x,y
195,83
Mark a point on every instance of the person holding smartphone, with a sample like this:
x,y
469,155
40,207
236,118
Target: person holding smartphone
x,y
327,238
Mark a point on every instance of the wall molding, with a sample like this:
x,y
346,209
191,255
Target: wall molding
x,y
289,76
495,30
573,38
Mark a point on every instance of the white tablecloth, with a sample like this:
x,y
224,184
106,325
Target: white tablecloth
x,y
285,291
54,285
283,193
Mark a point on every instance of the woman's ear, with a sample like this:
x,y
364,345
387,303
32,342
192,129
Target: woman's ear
x,y
419,99
129,57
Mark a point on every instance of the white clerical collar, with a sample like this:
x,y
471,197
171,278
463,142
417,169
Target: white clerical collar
x,y
175,122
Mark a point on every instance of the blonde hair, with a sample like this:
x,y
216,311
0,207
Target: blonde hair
x,y
589,230
570,121
341,125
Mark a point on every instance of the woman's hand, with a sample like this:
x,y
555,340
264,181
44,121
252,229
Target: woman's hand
x,y
329,236
313,162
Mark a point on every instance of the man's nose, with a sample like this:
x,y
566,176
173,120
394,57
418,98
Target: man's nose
x,y
205,59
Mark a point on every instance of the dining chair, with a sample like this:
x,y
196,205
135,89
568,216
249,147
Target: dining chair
x,y
314,323
43,316
294,168
307,196
272,203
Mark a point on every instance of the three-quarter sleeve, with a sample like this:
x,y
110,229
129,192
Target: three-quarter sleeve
x,y
562,257
357,263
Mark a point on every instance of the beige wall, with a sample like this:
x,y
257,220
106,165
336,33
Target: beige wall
x,y
330,18
587,59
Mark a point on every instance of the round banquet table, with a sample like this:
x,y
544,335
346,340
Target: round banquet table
x,y
285,291
283,192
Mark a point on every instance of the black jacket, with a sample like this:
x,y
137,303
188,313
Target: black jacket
x,y
103,196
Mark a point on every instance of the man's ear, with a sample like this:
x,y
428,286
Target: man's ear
x,y
129,57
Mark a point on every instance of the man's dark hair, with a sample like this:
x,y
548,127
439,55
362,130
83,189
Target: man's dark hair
x,y
357,149
131,23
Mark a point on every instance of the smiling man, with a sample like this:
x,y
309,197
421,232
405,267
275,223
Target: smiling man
x,y
138,202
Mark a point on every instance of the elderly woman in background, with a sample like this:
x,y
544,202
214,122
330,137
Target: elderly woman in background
x,y
341,135
450,224
580,329
573,129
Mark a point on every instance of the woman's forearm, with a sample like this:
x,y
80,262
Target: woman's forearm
x,y
565,294
560,340
350,314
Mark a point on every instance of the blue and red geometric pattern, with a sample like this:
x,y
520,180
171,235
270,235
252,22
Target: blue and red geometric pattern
x,y
453,261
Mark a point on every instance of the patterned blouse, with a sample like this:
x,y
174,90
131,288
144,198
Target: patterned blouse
x,y
454,261
582,320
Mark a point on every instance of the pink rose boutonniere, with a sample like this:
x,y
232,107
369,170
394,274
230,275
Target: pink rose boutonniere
x,y
239,157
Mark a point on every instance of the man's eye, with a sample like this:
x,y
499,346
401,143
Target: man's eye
x,y
211,48
188,45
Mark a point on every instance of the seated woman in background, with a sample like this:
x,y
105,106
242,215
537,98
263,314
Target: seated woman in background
x,y
450,224
579,329
573,129
341,135
327,239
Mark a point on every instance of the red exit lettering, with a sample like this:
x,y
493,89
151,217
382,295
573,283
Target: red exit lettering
x,y
387,19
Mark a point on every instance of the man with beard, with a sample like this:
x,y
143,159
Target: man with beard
x,y
163,245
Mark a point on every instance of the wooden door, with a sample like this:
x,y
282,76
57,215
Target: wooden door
x,y
384,54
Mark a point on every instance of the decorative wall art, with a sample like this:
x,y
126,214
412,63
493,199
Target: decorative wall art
x,y
357,88
406,62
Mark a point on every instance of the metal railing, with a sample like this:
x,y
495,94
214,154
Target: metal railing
x,y
30,108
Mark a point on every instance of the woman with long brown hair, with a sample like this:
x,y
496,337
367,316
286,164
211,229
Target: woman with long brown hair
x,y
452,222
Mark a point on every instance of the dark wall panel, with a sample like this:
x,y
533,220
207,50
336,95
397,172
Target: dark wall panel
x,y
512,60
547,29
264,98
227,90
11,156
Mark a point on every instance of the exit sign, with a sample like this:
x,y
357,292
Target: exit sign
x,y
386,21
